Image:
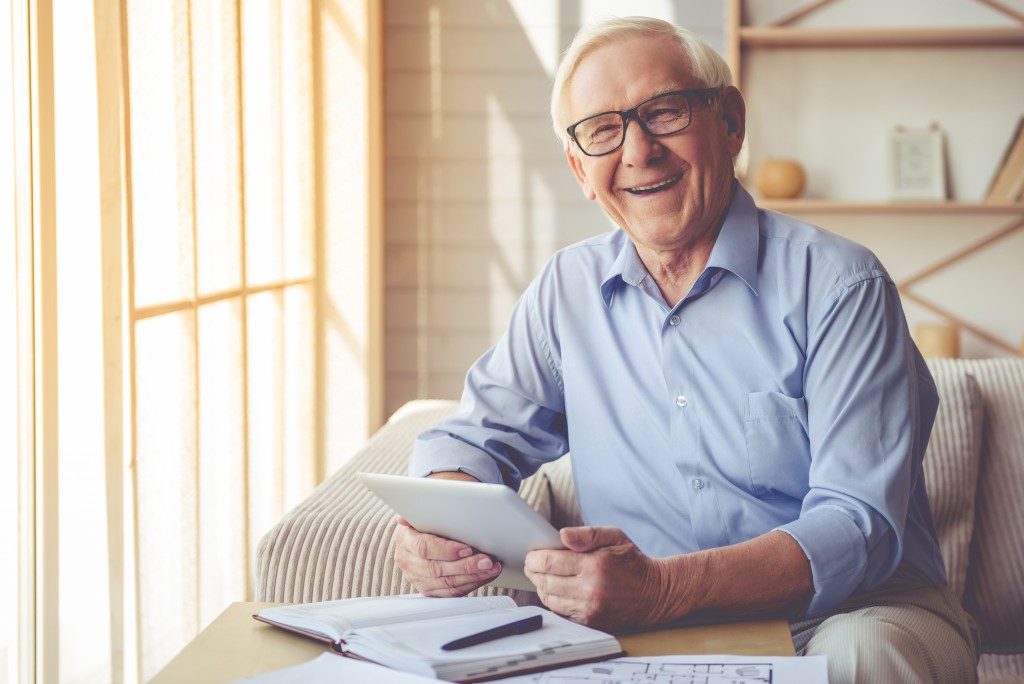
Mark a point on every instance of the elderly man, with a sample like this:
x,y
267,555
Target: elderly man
x,y
746,411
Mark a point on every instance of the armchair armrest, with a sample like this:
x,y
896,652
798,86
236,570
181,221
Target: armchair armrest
x,y
337,543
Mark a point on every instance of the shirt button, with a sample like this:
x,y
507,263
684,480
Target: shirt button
x,y
697,483
680,401
674,321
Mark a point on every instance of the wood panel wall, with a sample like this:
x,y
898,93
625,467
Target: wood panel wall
x,y
477,191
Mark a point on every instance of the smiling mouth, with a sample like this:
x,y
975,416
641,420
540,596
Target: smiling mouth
x,y
655,187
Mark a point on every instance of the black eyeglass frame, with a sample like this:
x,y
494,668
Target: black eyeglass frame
x,y
707,94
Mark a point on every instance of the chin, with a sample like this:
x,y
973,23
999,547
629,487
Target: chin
x,y
657,236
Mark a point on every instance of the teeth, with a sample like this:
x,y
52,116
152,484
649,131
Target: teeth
x,y
641,188
648,188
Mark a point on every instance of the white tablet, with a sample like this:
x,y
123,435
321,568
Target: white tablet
x,y
491,518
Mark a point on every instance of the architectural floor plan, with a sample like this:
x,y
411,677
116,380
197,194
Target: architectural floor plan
x,y
625,671
686,669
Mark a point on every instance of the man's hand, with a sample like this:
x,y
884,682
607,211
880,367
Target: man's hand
x,y
437,566
603,580
440,567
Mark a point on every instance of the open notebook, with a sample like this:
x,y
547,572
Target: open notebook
x,y
407,632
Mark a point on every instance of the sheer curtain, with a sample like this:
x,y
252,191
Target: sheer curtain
x,y
204,307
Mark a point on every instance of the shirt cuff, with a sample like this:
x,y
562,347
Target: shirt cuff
x,y
837,552
448,455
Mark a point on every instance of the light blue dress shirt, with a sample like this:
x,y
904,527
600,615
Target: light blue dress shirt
x,y
782,393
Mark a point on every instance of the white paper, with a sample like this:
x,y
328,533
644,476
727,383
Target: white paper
x,y
412,641
331,668
689,669
412,648
335,618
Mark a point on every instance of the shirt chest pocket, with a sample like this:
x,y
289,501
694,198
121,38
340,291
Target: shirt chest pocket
x,y
778,452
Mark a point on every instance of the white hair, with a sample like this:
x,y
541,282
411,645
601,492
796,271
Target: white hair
x,y
705,64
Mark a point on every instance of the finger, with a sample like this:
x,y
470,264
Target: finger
x,y
584,539
453,592
479,565
553,562
424,545
449,583
569,588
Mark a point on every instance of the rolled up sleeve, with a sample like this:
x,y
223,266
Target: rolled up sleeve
x,y
511,418
867,432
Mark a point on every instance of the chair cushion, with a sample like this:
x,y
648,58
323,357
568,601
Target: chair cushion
x,y
565,508
1001,669
995,577
951,465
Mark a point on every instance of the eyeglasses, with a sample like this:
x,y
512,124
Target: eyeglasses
x,y
661,115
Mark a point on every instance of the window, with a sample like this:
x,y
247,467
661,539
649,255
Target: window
x,y
191,271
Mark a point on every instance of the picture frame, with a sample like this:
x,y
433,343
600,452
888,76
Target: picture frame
x,y
917,164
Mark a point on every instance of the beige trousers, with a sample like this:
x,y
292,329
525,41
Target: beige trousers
x,y
904,631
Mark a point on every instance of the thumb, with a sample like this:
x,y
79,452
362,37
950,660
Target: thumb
x,y
590,538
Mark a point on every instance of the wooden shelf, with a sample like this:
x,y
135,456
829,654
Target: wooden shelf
x,y
813,206
786,37
743,43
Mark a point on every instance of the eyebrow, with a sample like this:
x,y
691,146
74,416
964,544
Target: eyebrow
x,y
657,93
663,91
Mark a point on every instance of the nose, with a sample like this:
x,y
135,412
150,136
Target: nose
x,y
639,148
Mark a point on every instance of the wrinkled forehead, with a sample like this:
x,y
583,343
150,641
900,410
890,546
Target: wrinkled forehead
x,y
623,73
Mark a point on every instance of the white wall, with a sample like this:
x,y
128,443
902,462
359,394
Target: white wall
x,y
478,194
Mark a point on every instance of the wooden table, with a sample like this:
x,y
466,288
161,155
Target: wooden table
x,y
234,645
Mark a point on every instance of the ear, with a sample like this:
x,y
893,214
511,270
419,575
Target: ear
x,y
734,114
581,175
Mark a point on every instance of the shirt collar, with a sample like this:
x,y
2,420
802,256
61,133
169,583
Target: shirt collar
x,y
735,249
627,267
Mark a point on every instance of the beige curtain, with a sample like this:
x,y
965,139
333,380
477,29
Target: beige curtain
x,y
204,303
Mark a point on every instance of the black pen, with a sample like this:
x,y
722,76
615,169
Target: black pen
x,y
530,624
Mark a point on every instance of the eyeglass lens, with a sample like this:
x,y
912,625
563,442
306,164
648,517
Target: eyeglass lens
x,y
660,116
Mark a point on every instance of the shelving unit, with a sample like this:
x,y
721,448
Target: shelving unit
x,y
743,40
892,208
795,38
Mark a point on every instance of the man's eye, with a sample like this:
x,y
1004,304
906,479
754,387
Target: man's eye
x,y
663,114
605,132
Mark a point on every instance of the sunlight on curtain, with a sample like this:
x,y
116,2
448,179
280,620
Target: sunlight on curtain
x,y
184,269
9,470
347,255
222,466
166,486
10,477
217,142
83,586
280,392
223,207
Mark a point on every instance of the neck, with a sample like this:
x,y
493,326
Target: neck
x,y
675,270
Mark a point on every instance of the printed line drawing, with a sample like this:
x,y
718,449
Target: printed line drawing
x,y
625,671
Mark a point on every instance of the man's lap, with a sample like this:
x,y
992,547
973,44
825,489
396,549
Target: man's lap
x,y
905,630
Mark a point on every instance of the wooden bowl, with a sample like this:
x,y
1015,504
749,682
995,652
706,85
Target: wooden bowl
x,y
780,179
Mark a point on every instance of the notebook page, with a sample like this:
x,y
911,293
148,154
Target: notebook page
x,y
411,648
335,619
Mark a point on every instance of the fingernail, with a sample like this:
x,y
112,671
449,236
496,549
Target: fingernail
x,y
485,564
466,552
